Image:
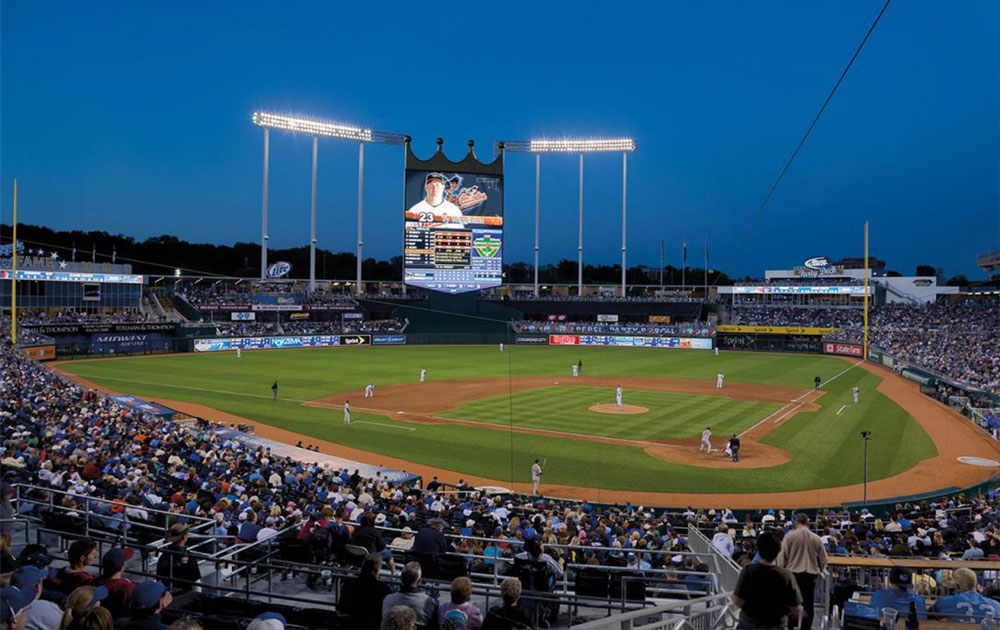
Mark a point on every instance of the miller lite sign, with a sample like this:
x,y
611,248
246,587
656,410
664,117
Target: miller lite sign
x,y
279,269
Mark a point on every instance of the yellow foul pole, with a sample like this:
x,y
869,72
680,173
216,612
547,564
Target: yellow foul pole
x,y
864,348
13,276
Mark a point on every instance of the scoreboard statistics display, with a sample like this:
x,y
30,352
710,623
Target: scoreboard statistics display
x,y
453,230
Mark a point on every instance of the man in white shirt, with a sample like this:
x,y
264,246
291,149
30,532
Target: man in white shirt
x,y
423,374
536,476
370,390
434,206
718,380
618,396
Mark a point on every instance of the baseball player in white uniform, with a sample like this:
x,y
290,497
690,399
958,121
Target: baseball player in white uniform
x,y
718,380
536,476
434,203
347,412
370,390
705,444
501,347
239,352
618,396
716,350
576,369
855,390
423,374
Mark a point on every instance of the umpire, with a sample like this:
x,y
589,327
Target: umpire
x,y
803,553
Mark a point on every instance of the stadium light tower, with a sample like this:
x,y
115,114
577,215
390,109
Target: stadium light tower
x,y
317,128
579,146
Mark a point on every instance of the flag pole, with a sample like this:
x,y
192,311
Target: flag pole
x,y
13,278
864,350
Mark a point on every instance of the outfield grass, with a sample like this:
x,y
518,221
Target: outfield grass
x,y
825,447
670,415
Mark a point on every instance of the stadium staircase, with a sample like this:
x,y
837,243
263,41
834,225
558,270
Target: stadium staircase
x,y
168,310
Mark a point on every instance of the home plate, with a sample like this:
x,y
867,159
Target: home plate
x,y
400,412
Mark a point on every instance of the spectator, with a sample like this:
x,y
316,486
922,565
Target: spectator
x,y
509,615
371,539
973,552
81,553
430,540
268,621
722,541
120,588
99,618
14,607
966,606
41,614
399,618
803,553
403,542
361,598
81,600
460,613
410,595
766,593
898,595
185,623
176,568
148,601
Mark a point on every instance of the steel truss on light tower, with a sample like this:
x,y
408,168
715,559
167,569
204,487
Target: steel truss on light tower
x,y
580,146
317,128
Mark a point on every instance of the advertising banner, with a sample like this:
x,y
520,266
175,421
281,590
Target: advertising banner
x,y
354,315
773,289
217,344
659,319
41,353
145,406
128,343
564,340
607,318
389,340
453,230
776,330
849,349
355,340
298,316
61,330
532,340
243,316
275,303
918,377
621,341
69,276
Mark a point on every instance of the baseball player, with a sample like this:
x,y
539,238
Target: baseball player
x,y
501,346
423,374
734,447
719,378
576,369
239,353
347,412
434,202
855,391
536,476
274,390
370,390
705,444
716,350
817,382
618,396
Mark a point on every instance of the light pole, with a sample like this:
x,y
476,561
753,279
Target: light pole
x,y
317,128
615,145
866,435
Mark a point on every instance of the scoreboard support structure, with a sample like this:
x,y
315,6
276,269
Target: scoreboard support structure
x,y
615,145
317,128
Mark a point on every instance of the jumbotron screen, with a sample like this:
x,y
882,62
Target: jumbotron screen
x,y
453,231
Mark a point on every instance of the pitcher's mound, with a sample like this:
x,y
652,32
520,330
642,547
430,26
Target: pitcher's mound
x,y
625,409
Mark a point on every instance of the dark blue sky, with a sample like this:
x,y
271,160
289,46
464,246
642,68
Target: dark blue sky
x,y
134,117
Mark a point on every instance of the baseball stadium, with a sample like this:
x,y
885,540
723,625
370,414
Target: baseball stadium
x,y
237,435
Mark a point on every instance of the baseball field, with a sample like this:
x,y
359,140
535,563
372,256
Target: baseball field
x,y
486,415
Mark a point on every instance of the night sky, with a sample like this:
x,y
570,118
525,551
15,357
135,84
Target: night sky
x,y
134,117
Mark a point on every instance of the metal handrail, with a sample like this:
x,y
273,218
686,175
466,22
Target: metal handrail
x,y
682,609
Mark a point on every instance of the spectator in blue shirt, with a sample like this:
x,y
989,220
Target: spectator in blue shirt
x,y
899,595
973,552
968,606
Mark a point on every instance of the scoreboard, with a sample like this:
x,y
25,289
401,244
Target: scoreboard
x,y
453,230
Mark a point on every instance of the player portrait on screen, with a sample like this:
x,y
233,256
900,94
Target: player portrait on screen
x,y
434,203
